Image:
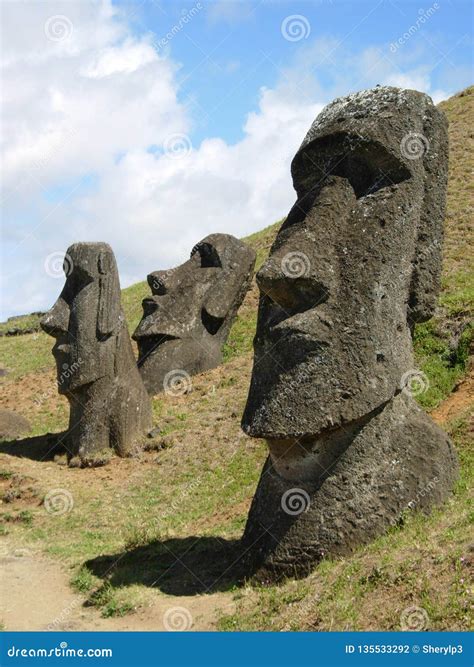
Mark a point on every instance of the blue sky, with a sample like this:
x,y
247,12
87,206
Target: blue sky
x,y
231,49
149,124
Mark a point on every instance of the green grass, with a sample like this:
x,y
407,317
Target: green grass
x,y
457,295
83,580
21,322
443,364
25,354
262,240
132,298
241,336
424,563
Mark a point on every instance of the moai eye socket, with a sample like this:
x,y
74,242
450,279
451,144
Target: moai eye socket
x,y
211,323
76,280
368,165
209,255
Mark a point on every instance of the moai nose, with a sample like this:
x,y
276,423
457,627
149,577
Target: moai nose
x,y
150,305
269,277
157,282
56,321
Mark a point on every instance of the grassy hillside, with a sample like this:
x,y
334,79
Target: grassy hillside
x,y
166,524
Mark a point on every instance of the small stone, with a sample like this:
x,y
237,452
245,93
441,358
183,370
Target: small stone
x,y
12,425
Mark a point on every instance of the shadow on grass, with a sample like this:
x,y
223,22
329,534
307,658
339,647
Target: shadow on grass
x,y
38,448
178,566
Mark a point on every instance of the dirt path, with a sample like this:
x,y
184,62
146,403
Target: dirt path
x,y
460,400
35,595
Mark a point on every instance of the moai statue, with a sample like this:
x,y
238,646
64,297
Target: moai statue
x,y
355,265
187,320
96,369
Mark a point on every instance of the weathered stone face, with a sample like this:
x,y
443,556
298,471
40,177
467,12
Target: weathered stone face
x,y
355,265
95,366
85,315
187,320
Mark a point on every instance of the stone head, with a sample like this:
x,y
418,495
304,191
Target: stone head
x,y
87,317
188,317
354,266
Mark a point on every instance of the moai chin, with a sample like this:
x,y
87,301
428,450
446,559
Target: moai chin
x,y
96,369
187,319
354,267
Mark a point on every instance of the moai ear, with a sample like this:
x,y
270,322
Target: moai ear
x,y
426,277
109,295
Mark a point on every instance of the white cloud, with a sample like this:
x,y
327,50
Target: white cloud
x,y
94,103
230,11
